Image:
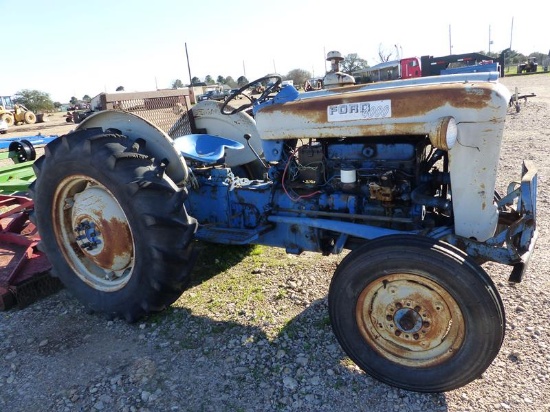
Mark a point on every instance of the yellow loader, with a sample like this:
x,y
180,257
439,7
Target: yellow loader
x,y
15,113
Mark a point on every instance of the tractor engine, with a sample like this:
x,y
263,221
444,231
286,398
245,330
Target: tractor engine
x,y
382,182
391,182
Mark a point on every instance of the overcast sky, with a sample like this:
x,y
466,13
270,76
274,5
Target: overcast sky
x,y
87,47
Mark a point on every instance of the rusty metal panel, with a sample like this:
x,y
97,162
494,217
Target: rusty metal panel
x,y
408,110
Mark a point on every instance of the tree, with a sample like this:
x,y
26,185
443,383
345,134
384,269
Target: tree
x,y
86,98
352,63
34,100
384,54
230,82
120,89
220,79
73,100
242,80
195,80
209,80
177,84
298,76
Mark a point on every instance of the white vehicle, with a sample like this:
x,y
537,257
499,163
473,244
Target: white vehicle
x,y
3,127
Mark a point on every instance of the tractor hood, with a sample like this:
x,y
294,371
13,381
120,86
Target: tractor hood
x,y
402,107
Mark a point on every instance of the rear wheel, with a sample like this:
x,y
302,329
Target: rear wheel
x,y
112,224
416,313
29,117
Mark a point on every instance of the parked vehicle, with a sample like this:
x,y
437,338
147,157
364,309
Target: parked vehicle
x,y
411,67
407,184
3,126
213,95
529,66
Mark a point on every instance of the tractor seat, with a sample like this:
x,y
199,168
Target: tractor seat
x,y
205,147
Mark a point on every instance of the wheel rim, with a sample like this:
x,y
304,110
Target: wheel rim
x,y
410,320
93,233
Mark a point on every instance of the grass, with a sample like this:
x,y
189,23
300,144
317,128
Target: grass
x,y
228,281
246,286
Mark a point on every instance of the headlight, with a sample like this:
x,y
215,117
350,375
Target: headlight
x,y
444,133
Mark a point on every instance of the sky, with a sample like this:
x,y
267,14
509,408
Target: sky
x,y
82,48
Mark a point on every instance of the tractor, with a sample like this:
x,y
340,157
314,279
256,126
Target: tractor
x,y
530,66
400,175
14,113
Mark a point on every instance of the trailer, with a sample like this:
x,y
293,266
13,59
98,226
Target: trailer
x,y
411,67
467,62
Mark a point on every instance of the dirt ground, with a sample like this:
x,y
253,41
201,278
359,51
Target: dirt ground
x,y
214,351
55,124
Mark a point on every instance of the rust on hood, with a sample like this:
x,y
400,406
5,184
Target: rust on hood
x,y
412,108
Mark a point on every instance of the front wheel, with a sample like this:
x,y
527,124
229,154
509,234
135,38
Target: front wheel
x,y
29,117
112,224
8,118
416,313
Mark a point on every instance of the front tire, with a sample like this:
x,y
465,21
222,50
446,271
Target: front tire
x,y
416,313
29,117
112,224
8,118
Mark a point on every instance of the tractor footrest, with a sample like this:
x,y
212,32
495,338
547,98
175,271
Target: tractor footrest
x,y
230,236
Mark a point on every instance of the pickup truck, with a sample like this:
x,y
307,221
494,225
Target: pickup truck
x,y
214,95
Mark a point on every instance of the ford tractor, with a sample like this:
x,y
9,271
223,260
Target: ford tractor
x,y
400,175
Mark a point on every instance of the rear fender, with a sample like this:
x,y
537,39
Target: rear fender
x,y
159,144
209,119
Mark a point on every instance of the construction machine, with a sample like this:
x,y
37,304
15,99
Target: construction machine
x,y
15,113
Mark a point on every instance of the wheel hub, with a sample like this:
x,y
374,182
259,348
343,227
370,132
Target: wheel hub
x,y
101,229
410,319
87,236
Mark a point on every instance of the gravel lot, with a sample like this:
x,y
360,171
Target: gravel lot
x,y
252,333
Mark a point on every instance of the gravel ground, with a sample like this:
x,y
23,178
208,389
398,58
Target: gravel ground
x,y
252,333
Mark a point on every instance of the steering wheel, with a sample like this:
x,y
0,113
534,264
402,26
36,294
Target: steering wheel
x,y
251,100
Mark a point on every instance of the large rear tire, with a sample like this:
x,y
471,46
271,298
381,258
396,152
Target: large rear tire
x,y
112,224
416,313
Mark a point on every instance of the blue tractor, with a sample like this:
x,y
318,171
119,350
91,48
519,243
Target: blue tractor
x,y
400,174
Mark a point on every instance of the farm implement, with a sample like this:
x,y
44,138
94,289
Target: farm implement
x,y
24,269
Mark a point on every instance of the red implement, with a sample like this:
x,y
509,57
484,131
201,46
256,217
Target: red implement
x,y
23,268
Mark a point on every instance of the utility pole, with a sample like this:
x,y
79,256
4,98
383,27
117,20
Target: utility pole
x,y
188,66
450,42
490,41
511,33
